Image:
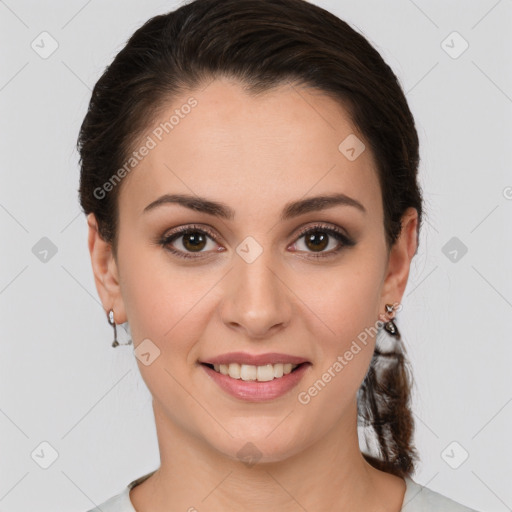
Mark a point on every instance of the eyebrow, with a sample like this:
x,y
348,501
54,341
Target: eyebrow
x,y
291,209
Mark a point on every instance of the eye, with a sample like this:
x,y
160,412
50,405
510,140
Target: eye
x,y
317,238
194,240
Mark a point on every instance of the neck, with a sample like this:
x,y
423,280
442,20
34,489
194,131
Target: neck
x,y
330,474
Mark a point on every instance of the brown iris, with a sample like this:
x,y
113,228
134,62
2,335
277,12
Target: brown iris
x,y
194,240
317,239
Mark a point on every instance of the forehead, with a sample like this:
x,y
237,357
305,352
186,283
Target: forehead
x,y
255,152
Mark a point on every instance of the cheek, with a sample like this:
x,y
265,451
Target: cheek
x,y
163,309
347,312
167,304
343,302
158,296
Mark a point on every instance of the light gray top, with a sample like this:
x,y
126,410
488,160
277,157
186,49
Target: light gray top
x,y
416,499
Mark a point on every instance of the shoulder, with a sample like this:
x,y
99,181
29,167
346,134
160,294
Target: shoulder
x,y
418,498
121,502
118,503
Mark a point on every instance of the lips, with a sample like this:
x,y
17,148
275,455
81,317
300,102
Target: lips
x,y
254,390
254,359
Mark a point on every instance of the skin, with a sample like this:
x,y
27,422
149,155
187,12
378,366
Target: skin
x,y
255,154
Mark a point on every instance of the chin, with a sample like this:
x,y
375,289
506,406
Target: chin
x,y
259,448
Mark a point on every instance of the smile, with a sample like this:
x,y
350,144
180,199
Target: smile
x,y
243,381
250,372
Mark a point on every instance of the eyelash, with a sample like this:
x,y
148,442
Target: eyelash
x,y
329,230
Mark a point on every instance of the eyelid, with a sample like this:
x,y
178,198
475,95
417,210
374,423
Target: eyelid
x,y
322,225
298,233
332,230
193,227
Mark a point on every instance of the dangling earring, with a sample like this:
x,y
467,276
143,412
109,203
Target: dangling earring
x,y
390,326
112,322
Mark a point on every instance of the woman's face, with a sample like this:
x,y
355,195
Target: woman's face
x,y
251,282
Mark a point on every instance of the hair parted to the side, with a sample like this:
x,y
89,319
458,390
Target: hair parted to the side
x,y
264,44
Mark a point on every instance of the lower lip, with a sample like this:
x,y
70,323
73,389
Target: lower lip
x,y
255,391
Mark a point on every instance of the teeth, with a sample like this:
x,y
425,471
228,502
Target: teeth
x,y
250,372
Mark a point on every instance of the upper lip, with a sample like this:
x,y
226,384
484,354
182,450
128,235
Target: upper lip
x,y
254,359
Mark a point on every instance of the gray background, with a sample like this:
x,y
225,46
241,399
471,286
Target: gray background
x,y
63,384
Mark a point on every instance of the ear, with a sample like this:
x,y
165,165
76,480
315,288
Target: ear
x,y
399,261
106,276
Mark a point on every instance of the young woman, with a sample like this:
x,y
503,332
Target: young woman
x,y
249,175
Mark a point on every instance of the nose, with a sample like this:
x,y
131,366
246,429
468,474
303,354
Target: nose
x,y
257,301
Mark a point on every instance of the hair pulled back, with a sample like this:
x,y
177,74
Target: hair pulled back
x,y
264,44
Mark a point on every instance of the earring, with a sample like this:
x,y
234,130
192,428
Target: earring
x,y
112,322
390,326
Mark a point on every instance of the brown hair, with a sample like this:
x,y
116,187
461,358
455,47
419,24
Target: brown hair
x,y
263,44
